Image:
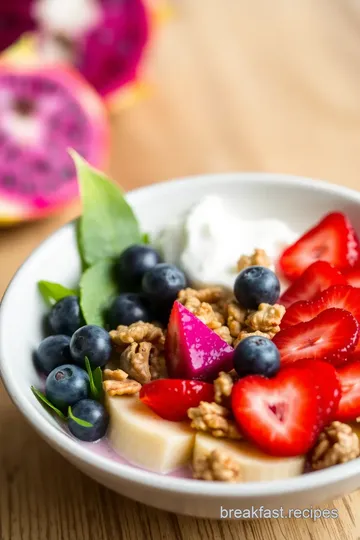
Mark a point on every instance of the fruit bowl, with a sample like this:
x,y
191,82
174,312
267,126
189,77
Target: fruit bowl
x,y
298,202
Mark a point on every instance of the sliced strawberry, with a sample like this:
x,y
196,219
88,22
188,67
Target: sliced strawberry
x,y
349,406
328,385
333,239
337,296
171,398
352,276
330,336
315,279
281,415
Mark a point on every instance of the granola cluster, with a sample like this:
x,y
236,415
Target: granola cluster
x,y
214,419
223,386
140,349
258,258
216,466
336,444
117,383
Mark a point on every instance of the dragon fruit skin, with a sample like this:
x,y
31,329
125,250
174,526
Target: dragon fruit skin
x,y
15,19
43,112
106,45
192,350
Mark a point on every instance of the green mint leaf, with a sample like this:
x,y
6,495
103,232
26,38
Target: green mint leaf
x,y
41,397
52,292
97,289
146,238
98,380
93,389
107,225
79,421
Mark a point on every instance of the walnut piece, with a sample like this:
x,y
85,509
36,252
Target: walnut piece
x,y
267,319
136,333
126,387
217,466
157,365
135,361
210,295
236,316
336,444
244,334
258,258
214,419
223,386
114,375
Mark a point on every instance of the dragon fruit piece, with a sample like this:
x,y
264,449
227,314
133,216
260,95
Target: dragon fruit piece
x,y
104,39
192,350
15,19
43,113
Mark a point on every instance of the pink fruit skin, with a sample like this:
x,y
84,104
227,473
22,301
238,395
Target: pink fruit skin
x,y
192,350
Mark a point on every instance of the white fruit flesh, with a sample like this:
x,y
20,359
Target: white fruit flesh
x,y
254,464
144,439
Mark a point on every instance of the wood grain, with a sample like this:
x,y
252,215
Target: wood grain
x,y
234,85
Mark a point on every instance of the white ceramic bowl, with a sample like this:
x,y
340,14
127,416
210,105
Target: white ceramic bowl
x,y
300,202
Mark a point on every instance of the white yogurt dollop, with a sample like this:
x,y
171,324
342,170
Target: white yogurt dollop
x,y
209,239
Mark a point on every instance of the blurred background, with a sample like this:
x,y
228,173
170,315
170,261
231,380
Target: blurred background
x,y
209,86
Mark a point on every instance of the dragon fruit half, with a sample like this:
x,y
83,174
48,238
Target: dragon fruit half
x,y
43,112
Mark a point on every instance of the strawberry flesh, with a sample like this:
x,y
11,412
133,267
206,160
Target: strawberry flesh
x,y
315,279
330,336
171,398
337,296
328,385
352,276
333,239
349,406
280,415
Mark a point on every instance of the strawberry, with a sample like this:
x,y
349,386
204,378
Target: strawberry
x,y
171,398
280,415
349,406
333,239
337,296
352,276
315,279
330,336
328,385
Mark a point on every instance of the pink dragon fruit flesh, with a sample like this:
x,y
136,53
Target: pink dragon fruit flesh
x,y
192,350
44,112
104,39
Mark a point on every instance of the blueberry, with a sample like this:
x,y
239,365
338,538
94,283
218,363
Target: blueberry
x,y
66,385
133,263
128,308
65,316
162,283
93,412
91,341
52,352
256,355
256,285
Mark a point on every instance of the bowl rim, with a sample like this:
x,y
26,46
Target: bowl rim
x,y
67,445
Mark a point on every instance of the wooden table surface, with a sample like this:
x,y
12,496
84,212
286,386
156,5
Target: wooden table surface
x,y
235,85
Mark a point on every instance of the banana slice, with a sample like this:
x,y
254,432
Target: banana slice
x,y
254,464
144,439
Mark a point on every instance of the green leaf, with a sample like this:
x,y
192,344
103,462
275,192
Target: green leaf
x,y
107,225
79,421
146,238
98,380
93,389
97,289
52,292
41,397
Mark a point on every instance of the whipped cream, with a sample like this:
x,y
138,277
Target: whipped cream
x,y
208,240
